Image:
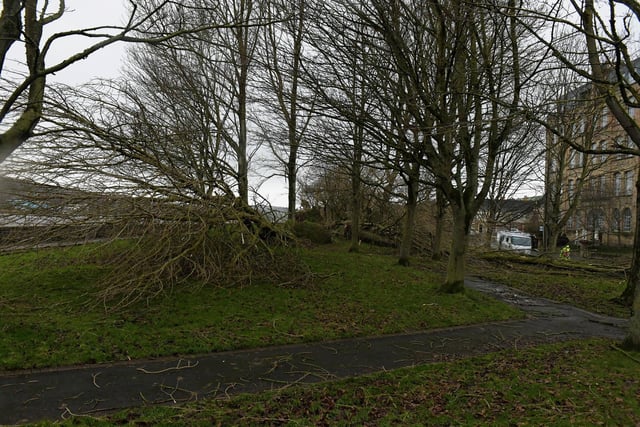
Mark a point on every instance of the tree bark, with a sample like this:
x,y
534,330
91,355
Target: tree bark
x,y
23,126
292,123
456,265
631,128
292,177
410,217
356,186
632,340
627,296
243,163
356,206
10,26
436,243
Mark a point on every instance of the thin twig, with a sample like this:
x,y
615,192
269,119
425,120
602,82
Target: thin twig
x,y
94,376
175,368
67,413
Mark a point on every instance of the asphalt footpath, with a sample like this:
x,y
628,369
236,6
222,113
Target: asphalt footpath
x,y
55,394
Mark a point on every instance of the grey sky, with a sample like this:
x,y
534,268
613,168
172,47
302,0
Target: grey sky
x,y
84,14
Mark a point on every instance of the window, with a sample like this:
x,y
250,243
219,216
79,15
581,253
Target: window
x,y
579,128
521,241
617,183
576,159
626,220
570,189
628,183
595,220
632,111
603,146
615,226
604,118
572,159
602,186
600,220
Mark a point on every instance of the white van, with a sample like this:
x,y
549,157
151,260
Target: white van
x,y
514,241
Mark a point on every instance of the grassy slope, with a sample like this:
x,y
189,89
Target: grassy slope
x,y
49,316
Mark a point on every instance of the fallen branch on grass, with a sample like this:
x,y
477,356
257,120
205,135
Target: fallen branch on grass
x,y
626,353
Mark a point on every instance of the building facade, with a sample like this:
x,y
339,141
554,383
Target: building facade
x,y
597,176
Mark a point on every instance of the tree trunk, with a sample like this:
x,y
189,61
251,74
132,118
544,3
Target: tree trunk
x,y
632,341
292,123
456,267
627,296
355,212
292,173
243,166
410,219
633,130
436,243
552,242
22,128
292,169
10,27
356,183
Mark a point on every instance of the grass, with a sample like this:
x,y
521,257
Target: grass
x,y
575,383
352,294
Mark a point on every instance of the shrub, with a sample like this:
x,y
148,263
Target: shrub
x,y
313,232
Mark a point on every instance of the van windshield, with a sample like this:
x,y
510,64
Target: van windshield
x,y
521,241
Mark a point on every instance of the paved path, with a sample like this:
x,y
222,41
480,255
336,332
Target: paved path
x,y
54,394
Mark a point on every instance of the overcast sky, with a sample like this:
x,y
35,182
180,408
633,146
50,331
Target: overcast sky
x,y
83,14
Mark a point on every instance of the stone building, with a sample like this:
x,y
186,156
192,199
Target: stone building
x,y
596,177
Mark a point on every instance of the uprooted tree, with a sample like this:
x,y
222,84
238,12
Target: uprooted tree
x,y
150,171
159,158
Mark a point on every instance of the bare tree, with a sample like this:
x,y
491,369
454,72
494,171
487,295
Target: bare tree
x,y
619,92
443,95
213,69
147,165
354,76
284,119
464,88
169,141
24,82
336,70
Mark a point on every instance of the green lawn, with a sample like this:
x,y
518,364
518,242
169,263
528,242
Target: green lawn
x,y
50,316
